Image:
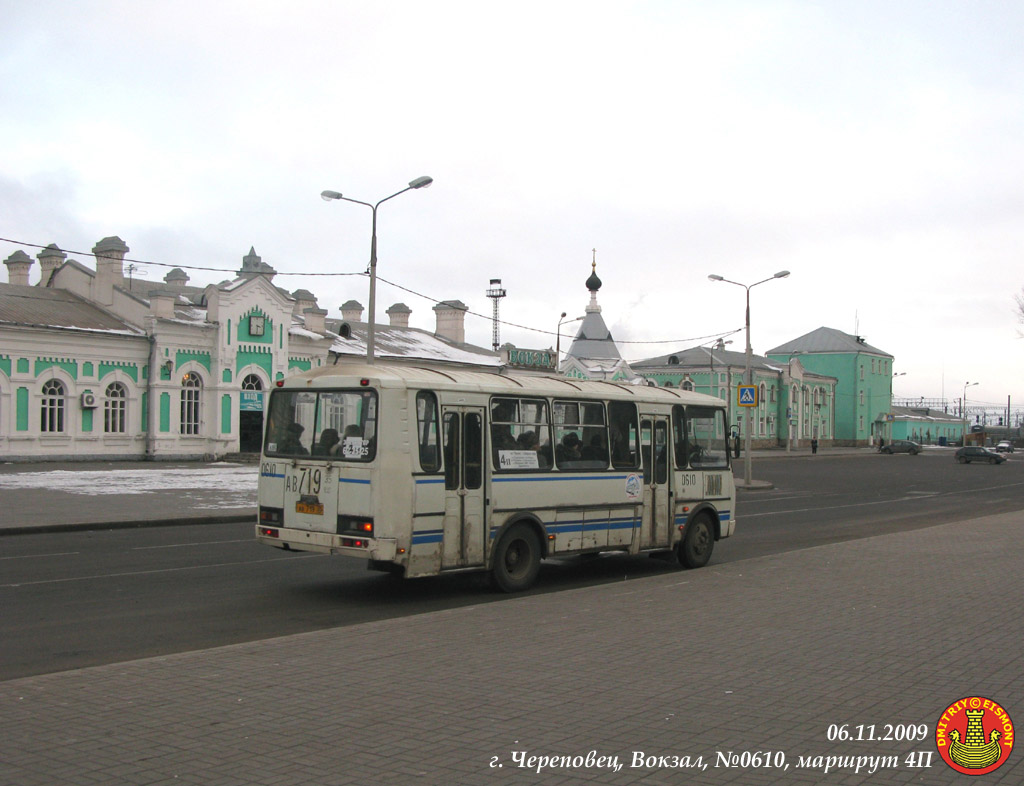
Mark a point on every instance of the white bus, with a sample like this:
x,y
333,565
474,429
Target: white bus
x,y
426,471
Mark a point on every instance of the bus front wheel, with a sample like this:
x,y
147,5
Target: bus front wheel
x,y
698,543
516,559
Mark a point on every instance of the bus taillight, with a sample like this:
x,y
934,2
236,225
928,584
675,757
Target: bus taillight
x,y
267,532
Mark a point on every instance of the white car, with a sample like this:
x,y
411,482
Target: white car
x,y
1004,447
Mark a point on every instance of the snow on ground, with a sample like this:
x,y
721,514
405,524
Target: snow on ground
x,y
233,479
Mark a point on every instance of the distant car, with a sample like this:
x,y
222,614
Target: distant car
x,y
902,446
970,453
1004,447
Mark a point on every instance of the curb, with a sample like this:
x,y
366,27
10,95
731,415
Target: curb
x,y
231,518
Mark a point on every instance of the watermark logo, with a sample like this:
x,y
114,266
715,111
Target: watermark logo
x,y
974,735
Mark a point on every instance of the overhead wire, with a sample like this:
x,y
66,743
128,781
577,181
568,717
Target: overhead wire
x,y
436,301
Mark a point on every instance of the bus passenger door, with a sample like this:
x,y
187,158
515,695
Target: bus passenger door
x,y
654,447
464,526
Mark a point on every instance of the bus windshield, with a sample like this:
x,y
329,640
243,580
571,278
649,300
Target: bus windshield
x,y
332,424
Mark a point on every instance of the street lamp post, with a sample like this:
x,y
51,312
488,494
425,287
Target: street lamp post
x,y
963,406
749,363
558,341
718,344
327,196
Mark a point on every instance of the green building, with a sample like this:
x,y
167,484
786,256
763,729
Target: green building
x,y
794,405
863,398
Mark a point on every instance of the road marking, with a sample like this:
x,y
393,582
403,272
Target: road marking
x,y
197,543
148,572
746,516
34,556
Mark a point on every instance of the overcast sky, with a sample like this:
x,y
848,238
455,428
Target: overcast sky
x,y
874,149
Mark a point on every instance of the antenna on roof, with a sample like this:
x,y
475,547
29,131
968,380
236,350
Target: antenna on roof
x,y
495,293
134,269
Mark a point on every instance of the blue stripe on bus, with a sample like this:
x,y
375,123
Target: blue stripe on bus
x,y
271,475
427,536
354,480
428,481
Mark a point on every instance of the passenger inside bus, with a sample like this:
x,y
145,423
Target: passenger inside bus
x,y
291,443
328,444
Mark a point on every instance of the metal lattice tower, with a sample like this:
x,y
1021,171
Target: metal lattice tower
x,y
495,293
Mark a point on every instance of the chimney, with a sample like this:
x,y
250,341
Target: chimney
x,y
177,277
451,318
315,319
253,265
50,258
109,254
352,311
303,299
18,266
399,314
161,304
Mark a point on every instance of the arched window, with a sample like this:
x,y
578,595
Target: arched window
x,y
687,385
115,409
761,400
673,360
52,408
668,383
252,382
191,403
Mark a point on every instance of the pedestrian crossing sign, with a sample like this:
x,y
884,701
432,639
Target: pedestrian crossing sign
x,y
746,395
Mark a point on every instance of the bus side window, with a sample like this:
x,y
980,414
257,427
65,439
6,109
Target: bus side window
x,y
622,426
679,436
427,431
451,451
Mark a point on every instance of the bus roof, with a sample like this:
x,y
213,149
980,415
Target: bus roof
x,y
389,375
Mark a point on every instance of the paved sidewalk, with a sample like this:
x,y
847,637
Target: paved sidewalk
x,y
757,655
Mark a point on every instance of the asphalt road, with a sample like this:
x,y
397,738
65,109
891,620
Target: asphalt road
x,y
85,598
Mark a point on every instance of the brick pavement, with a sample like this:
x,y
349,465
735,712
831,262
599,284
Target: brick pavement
x,y
755,655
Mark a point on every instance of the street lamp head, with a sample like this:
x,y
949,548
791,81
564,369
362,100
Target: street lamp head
x,y
421,182
782,274
563,315
327,196
715,277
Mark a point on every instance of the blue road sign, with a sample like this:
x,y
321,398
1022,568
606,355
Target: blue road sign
x,y
746,395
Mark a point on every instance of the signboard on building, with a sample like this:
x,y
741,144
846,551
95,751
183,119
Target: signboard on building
x,y
537,359
251,401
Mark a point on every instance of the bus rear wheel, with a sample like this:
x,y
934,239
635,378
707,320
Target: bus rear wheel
x,y
698,543
516,559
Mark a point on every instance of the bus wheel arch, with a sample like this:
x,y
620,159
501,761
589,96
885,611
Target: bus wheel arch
x,y
518,551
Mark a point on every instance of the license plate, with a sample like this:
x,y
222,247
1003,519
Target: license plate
x,y
312,508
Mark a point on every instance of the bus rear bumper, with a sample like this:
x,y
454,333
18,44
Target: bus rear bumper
x,y
380,549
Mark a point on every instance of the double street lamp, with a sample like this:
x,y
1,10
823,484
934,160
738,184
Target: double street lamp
x,y
328,196
749,372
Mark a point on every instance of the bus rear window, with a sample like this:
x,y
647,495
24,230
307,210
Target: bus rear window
x,y
336,425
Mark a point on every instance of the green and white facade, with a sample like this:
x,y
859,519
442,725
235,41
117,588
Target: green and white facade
x,y
863,399
95,365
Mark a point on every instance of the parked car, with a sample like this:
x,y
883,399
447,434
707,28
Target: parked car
x,y
1004,447
971,453
901,446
